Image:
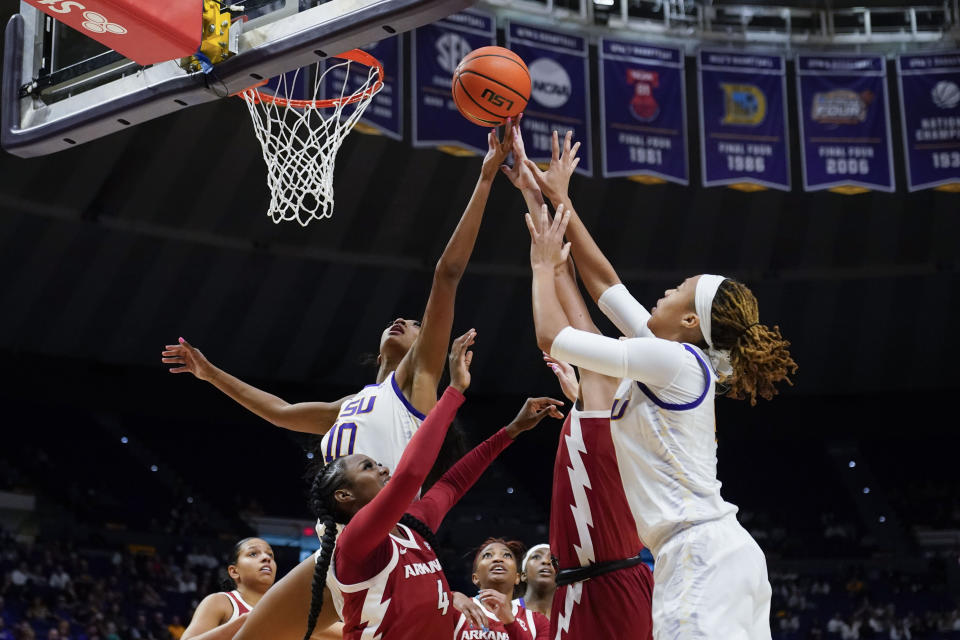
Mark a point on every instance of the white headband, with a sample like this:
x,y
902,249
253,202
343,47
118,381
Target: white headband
x,y
533,549
707,287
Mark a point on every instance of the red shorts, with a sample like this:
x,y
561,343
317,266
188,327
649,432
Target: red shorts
x,y
614,605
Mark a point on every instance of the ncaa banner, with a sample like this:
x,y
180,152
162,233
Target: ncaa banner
x,y
743,120
437,49
844,123
643,111
385,114
930,112
559,94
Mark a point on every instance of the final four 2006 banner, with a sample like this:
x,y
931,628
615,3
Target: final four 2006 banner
x,y
743,120
930,112
844,123
643,111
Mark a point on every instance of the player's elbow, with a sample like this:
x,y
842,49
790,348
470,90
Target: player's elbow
x,y
448,271
545,340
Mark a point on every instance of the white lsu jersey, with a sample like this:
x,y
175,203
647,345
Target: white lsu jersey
x,y
377,422
667,454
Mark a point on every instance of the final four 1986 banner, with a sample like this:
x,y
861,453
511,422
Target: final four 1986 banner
x,y
743,120
844,123
643,111
930,112
437,49
559,84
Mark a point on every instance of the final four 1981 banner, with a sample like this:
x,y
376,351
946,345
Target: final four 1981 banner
x,y
743,120
844,123
930,112
643,111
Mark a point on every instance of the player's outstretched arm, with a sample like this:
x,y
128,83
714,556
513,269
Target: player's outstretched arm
x,y
447,491
307,417
420,369
548,254
596,271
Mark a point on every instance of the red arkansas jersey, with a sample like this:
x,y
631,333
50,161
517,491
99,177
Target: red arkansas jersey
x,y
526,625
411,588
590,518
240,606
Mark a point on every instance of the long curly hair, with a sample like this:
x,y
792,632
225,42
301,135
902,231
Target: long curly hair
x,y
759,355
329,478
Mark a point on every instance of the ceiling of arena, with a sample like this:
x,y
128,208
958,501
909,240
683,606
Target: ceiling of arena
x,y
116,247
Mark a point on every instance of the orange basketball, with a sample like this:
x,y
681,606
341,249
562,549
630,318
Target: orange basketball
x,y
490,85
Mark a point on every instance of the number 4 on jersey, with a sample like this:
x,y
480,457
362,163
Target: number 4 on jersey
x,y
444,598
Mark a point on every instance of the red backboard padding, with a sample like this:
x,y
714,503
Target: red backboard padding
x,y
145,32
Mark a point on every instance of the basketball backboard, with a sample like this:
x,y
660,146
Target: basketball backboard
x,y
61,88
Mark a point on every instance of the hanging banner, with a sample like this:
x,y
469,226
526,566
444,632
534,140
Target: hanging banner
x,y
930,113
559,96
437,49
844,123
385,114
743,120
643,111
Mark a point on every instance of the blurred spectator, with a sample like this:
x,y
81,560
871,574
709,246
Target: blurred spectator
x,y
175,628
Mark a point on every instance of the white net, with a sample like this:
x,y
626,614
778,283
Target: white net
x,y
300,137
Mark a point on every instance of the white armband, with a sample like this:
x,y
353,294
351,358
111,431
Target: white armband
x,y
650,360
624,311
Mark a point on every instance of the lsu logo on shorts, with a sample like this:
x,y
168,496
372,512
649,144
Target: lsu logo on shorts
x,y
744,104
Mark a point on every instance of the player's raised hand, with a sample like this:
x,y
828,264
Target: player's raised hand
x,y
546,238
498,604
566,376
532,412
474,615
460,359
519,174
555,181
189,359
497,150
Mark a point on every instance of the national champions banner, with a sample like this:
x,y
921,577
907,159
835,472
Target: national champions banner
x,y
930,113
743,120
385,113
437,49
844,122
559,95
643,111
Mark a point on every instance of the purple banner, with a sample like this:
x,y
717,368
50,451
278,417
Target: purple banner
x,y
643,111
385,113
743,119
844,122
930,113
559,97
437,49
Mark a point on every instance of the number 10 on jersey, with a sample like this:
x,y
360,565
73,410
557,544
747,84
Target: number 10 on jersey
x,y
340,435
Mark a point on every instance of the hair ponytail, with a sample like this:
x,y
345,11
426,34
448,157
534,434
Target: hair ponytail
x,y
759,355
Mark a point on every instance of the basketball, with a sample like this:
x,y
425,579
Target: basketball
x,y
490,85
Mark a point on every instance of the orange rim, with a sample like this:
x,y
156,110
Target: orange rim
x,y
355,55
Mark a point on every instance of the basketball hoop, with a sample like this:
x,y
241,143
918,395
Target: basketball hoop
x,y
300,137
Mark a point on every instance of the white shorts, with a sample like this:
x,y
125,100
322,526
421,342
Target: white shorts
x,y
710,581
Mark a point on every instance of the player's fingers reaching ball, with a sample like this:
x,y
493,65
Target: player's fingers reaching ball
x,y
555,154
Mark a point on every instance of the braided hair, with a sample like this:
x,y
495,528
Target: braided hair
x,y
328,479
758,354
